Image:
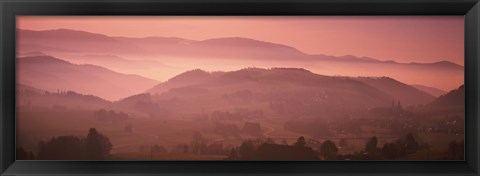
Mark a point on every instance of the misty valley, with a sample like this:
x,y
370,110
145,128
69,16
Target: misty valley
x,y
246,114
98,96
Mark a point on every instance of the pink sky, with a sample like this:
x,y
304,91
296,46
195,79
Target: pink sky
x,y
403,39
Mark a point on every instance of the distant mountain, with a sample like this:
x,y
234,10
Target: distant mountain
x,y
407,95
53,74
28,90
184,79
228,53
245,48
227,47
64,40
440,64
289,91
29,96
243,42
430,90
153,44
453,98
31,54
452,102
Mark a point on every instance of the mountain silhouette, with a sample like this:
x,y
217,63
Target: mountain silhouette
x,y
430,90
455,97
218,53
404,93
68,39
294,88
452,102
60,100
53,74
61,40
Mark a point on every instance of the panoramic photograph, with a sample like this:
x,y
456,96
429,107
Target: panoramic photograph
x,y
243,88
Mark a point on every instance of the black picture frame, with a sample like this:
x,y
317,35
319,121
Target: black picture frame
x,y
10,8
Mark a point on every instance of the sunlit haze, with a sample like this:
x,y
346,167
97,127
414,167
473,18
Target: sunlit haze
x,y
403,39
410,49
267,88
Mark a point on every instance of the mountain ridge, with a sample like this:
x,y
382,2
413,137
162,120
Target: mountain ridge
x,y
294,76
231,41
51,74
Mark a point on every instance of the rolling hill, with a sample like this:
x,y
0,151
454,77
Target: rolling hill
x,y
430,90
73,41
455,97
53,74
404,93
61,100
284,90
164,57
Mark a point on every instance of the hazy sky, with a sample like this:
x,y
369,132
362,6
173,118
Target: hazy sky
x,y
403,39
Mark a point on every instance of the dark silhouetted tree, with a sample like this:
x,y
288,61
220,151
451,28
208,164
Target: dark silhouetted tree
x,y
300,142
391,151
328,150
199,144
246,150
158,149
411,146
371,146
22,154
233,155
284,152
456,150
98,146
62,148
181,148
215,148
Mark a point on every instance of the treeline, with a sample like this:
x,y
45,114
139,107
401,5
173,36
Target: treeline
x,y
103,115
202,146
95,146
269,150
75,95
398,149
328,150
393,120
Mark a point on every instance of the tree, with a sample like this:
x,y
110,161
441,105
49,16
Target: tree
x,y
158,149
199,144
391,151
284,152
456,150
98,146
371,146
270,141
181,148
94,147
233,155
328,150
300,142
246,150
62,148
22,154
411,146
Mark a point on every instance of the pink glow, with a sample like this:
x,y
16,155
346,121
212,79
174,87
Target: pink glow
x,y
403,39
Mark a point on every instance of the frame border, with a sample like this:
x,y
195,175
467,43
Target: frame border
x,y
10,8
